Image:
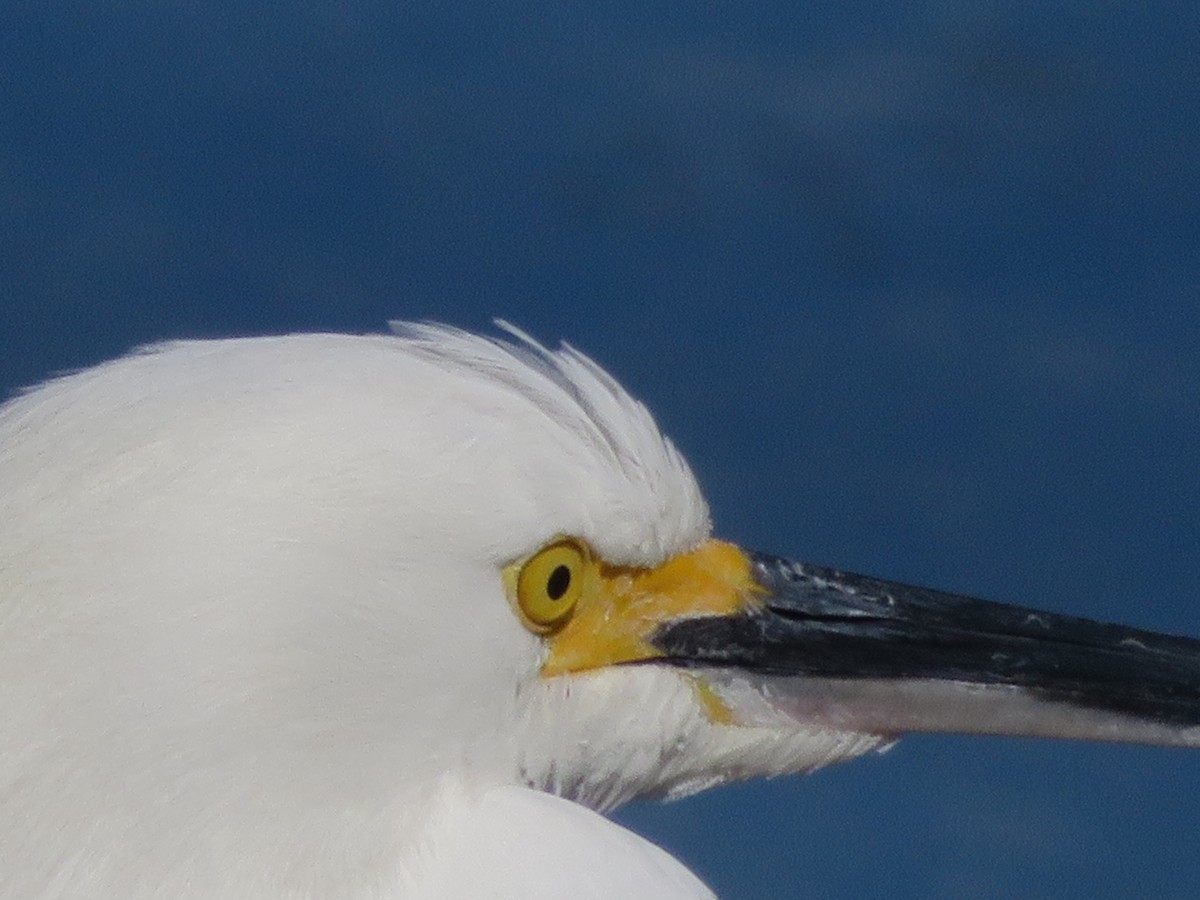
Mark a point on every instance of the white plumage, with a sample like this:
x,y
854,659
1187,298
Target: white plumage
x,y
252,633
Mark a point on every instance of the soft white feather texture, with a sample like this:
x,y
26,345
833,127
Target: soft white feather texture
x,y
513,842
252,628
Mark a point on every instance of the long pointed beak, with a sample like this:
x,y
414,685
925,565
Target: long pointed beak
x,y
855,653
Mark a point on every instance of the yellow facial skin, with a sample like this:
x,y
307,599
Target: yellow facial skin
x,y
593,614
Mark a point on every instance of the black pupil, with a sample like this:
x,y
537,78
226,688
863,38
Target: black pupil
x,y
558,582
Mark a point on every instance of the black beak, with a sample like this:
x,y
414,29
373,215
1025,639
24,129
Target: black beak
x,y
855,653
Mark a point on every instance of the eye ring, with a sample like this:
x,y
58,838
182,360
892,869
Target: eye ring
x,y
550,583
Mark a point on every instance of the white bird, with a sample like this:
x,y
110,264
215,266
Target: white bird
x,y
326,616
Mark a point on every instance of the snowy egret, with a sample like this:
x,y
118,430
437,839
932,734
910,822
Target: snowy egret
x,y
326,616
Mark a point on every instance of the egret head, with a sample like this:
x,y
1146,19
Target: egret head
x,y
284,591
257,590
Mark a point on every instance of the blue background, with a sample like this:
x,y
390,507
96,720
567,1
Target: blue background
x,y
914,286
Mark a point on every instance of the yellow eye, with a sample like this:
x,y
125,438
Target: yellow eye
x,y
550,583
